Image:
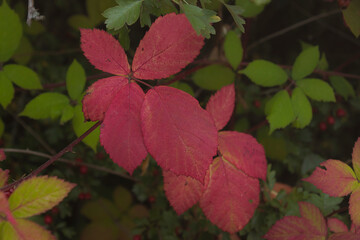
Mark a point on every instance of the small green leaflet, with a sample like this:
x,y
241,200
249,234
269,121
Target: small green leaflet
x,y
342,86
22,76
6,90
67,114
302,108
201,19
235,12
279,111
75,80
251,9
352,17
305,63
265,73
325,203
23,53
183,86
127,11
80,126
10,32
213,77
317,89
233,49
46,105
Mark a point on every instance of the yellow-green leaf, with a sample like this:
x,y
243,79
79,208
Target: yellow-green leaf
x,y
305,63
317,89
6,90
352,17
213,77
233,49
22,76
24,230
302,108
75,80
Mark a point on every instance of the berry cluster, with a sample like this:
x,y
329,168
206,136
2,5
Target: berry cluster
x,y
340,113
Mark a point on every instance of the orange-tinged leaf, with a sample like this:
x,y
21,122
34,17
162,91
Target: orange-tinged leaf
x,y
337,179
230,197
26,230
356,158
354,206
337,226
4,209
37,195
221,106
344,235
314,217
170,44
181,191
104,51
4,175
121,133
99,96
178,133
244,152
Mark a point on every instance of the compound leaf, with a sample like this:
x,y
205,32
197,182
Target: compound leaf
x,y
170,44
178,133
302,108
104,51
22,76
75,80
221,106
317,89
305,63
121,133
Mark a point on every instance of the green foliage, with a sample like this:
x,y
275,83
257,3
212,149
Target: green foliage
x,y
251,9
233,49
75,80
302,108
342,86
213,77
317,89
236,12
305,63
352,16
183,86
22,76
6,90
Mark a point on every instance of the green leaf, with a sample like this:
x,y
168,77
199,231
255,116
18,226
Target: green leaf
x,y
100,210
127,11
265,73
10,32
235,12
275,146
37,195
2,127
80,127
201,19
323,63
352,17
251,9
124,38
213,77
22,76
75,80
67,114
46,105
24,51
233,49
6,90
80,21
302,108
122,198
317,89
183,86
325,203
279,111
305,63
342,86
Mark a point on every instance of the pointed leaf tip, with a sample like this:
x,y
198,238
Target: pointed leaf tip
x,y
121,133
221,105
104,51
178,133
170,44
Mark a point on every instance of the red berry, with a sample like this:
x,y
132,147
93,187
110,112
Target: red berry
x,y
330,120
48,219
82,196
323,126
340,112
83,169
137,237
257,103
55,210
87,196
152,199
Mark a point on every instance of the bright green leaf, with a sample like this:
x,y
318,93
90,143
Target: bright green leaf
x,y
235,12
302,108
213,77
22,76
75,80
46,105
317,89
80,127
24,51
80,21
122,198
37,195
7,232
265,73
10,32
251,9
233,49
352,17
127,11
2,127
279,111
67,114
183,86
305,63
342,86
201,19
6,90
100,210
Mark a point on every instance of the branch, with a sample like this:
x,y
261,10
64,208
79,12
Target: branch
x,y
68,148
33,13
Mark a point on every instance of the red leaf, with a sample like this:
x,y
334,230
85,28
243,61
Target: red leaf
x,y
104,51
354,206
121,133
344,235
230,197
181,191
4,175
356,158
99,96
335,225
310,226
354,228
4,209
244,152
221,106
337,179
170,44
2,155
178,133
